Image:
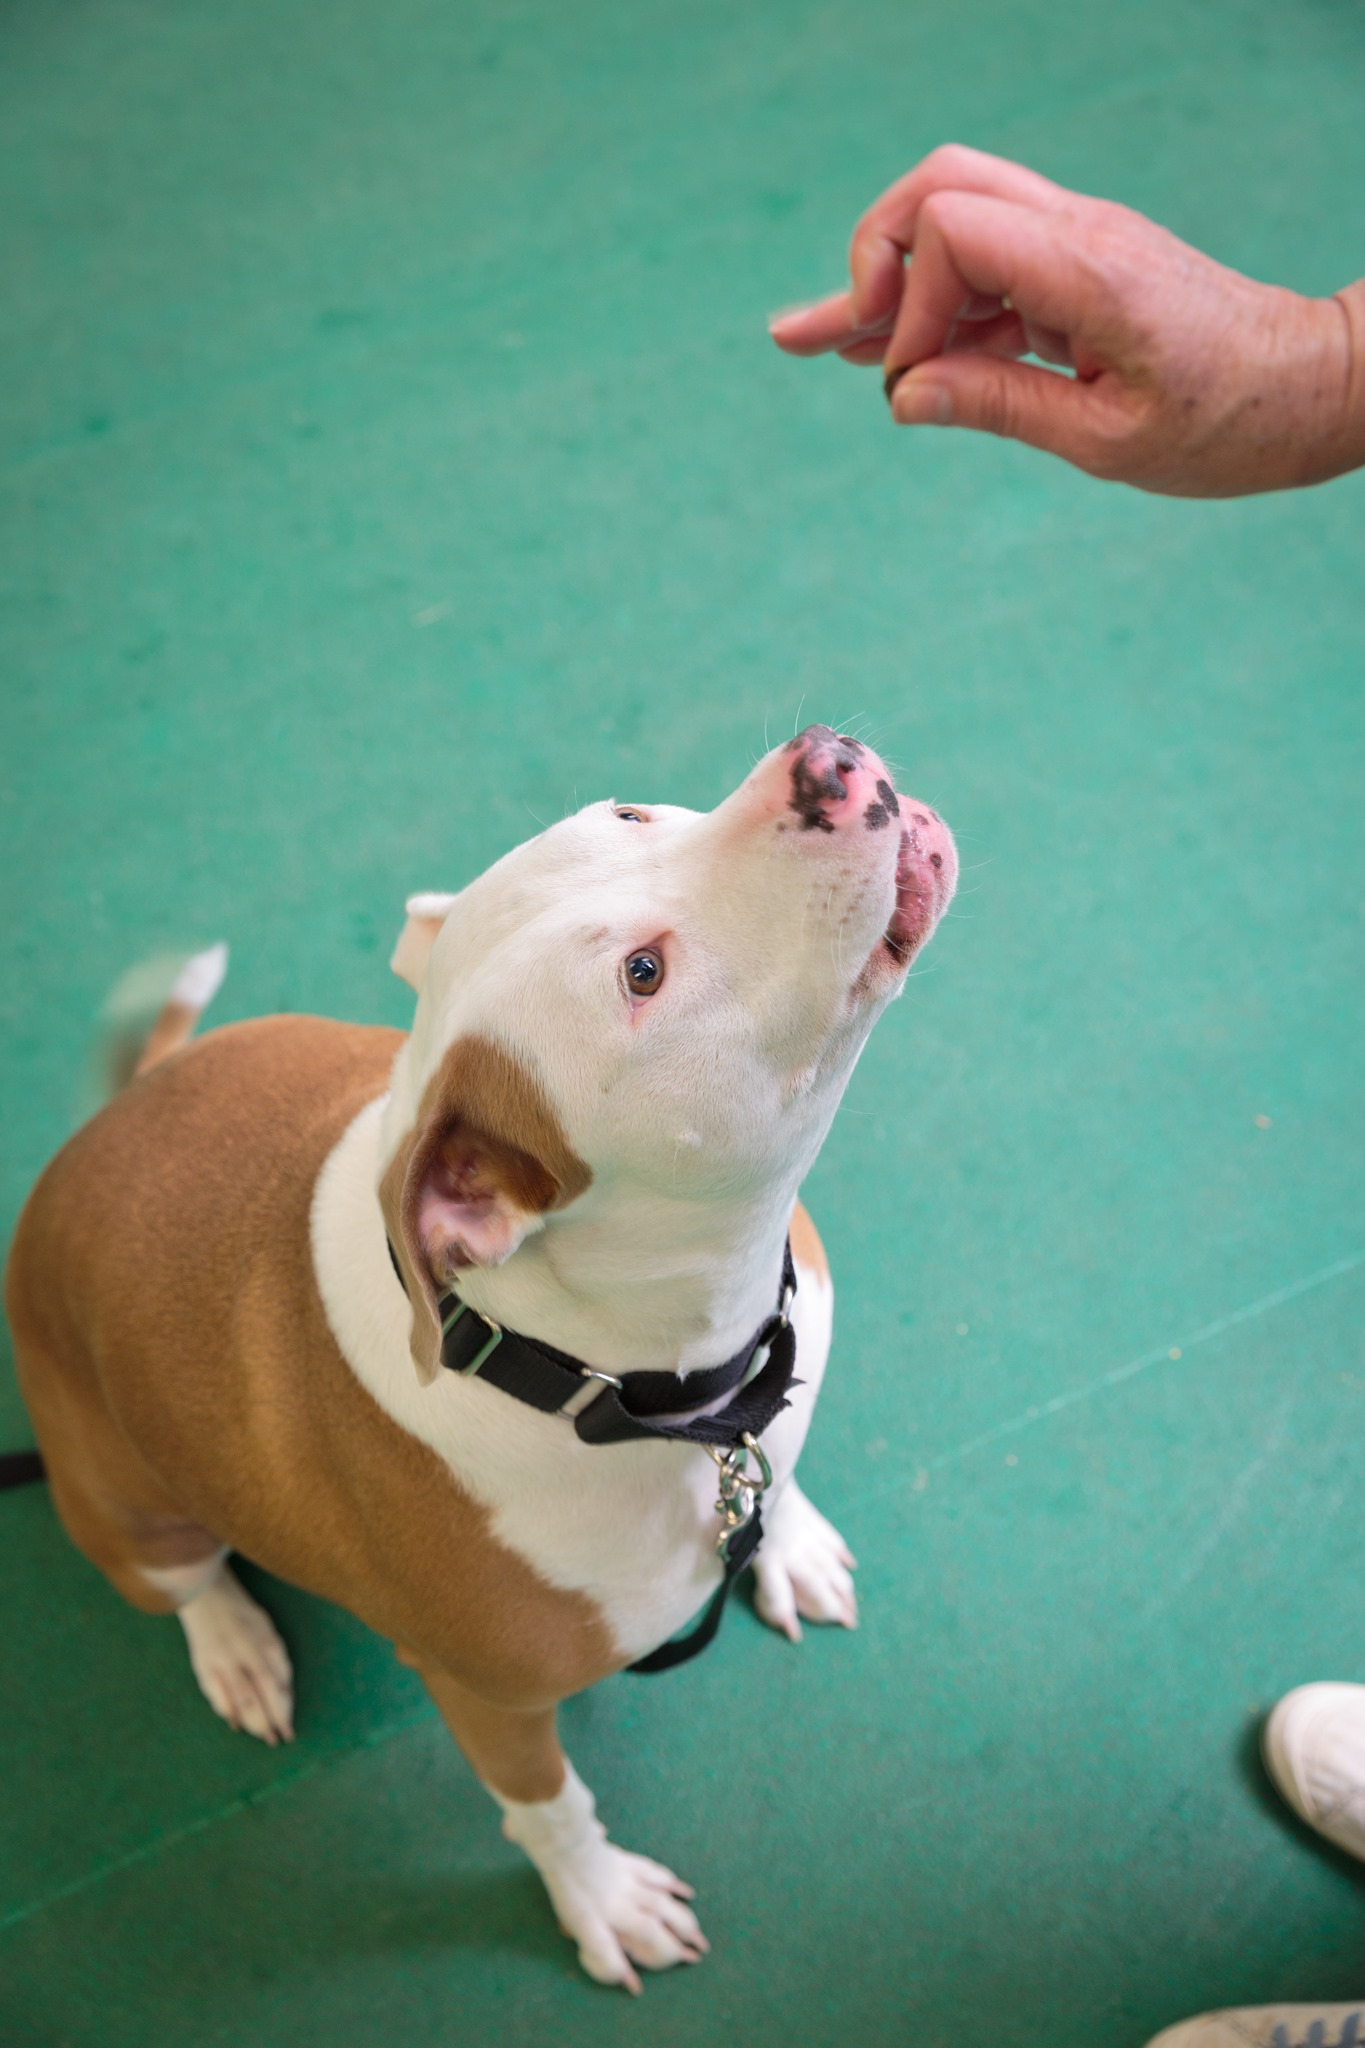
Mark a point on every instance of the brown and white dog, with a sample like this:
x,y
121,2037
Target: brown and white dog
x,y
631,1035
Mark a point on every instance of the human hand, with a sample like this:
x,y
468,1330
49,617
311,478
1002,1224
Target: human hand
x,y
1188,378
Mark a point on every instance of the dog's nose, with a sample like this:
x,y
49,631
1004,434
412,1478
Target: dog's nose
x,y
836,783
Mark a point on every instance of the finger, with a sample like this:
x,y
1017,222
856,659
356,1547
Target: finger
x,y
969,244
1008,335
978,315
1048,344
886,233
814,330
1062,415
1003,336
864,352
982,306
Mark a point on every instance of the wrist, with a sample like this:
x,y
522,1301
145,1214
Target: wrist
x,y
1335,442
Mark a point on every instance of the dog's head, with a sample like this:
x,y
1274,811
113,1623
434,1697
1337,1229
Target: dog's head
x,y
648,1004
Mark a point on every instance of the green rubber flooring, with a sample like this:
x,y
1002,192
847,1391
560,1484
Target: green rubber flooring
x,y
394,457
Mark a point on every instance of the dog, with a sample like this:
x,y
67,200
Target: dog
x,y
234,1293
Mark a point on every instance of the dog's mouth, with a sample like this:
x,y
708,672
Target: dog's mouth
x,y
926,876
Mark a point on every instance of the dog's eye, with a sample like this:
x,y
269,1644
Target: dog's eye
x,y
644,972
630,817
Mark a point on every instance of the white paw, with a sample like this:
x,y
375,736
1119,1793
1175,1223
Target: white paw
x,y
623,1909
803,1567
242,1667
620,1909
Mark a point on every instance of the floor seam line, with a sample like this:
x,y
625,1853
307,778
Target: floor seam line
x,y
1162,1354
272,1789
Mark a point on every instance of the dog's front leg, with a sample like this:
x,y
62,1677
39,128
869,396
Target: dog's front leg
x,y
620,1909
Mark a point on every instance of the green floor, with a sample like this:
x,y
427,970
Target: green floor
x,y
394,457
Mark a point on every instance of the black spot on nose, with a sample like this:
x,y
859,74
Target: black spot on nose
x,y
825,736
823,757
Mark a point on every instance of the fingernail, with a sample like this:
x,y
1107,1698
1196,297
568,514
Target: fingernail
x,y
920,404
789,312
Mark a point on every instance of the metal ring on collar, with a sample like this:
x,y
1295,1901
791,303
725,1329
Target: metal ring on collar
x,y
609,1379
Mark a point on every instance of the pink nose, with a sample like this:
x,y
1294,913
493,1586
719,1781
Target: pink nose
x,y
837,784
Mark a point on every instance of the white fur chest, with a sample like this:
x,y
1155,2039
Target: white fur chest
x,y
632,1526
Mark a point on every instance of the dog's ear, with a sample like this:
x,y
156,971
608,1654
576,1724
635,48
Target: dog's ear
x,y
426,915
486,1159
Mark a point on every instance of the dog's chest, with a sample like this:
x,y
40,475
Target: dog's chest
x,y
632,1526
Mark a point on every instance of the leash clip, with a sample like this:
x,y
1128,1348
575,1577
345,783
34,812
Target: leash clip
x,y
740,1490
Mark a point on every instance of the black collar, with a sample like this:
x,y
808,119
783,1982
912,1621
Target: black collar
x,y
637,1406
633,1407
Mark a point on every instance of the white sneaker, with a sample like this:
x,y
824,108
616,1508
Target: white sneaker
x,y
1270,2026
1314,1748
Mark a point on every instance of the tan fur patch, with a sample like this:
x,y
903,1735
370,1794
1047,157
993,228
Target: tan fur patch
x,y
807,1250
186,1388
483,1097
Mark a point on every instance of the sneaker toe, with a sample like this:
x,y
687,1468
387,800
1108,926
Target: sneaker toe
x,y
1314,1748
1270,2026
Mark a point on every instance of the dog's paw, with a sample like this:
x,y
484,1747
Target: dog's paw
x,y
803,1567
242,1667
622,1910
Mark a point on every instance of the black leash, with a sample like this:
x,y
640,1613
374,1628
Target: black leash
x,y
642,1405
740,1545
20,1468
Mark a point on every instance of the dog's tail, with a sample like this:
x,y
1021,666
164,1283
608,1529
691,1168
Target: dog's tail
x,y
149,1015
153,1010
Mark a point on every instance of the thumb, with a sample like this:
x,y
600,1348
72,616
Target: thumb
x,y
996,395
